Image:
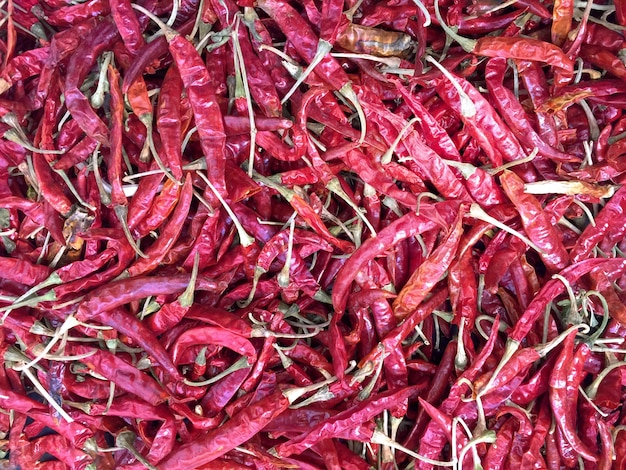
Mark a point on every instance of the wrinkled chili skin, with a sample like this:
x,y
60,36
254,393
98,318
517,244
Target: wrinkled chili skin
x,y
405,227
168,121
528,49
345,420
239,429
536,225
207,113
563,398
437,388
613,211
81,61
514,114
425,278
126,290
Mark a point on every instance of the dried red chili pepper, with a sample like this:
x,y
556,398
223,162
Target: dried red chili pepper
x,y
536,226
207,114
127,24
50,188
123,374
514,114
436,390
237,430
519,49
609,217
562,14
168,121
563,398
169,233
345,420
408,225
99,40
426,277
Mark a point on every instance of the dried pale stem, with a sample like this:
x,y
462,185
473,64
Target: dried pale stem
x,y
241,363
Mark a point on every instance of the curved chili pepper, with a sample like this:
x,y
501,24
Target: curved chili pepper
x,y
12,400
499,450
127,407
431,166
520,49
50,189
347,419
213,335
123,374
150,53
562,14
261,85
113,158
499,142
23,271
160,207
555,287
77,154
563,396
604,60
407,226
609,217
124,291
240,428
377,176
27,64
168,121
73,14
99,40
305,211
437,387
514,114
206,110
76,433
303,38
168,234
434,134
58,446
127,24
430,271
536,226
129,325
74,282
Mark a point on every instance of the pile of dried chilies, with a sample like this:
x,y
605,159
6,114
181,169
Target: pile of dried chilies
x,y
312,234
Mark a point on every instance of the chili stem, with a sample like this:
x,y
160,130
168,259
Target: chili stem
x,y
511,348
245,239
478,212
242,76
69,323
468,108
323,48
468,45
44,393
48,296
425,12
97,99
382,439
544,349
241,363
122,215
14,136
592,389
125,440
